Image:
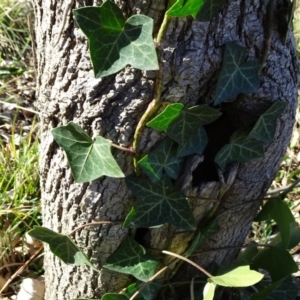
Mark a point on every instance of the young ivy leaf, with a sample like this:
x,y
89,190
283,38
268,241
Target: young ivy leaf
x,y
184,8
114,42
162,158
240,149
166,117
209,9
158,204
237,76
88,159
187,129
209,291
61,246
239,277
131,258
265,127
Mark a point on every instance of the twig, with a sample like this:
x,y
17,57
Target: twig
x,y
192,289
130,150
20,270
188,261
20,107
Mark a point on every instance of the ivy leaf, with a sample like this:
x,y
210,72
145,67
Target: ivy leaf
x,y
112,296
240,149
158,204
166,117
162,158
277,261
131,258
187,129
147,293
61,246
246,255
265,127
239,277
283,289
237,76
279,211
184,8
294,238
114,42
209,9
209,291
88,159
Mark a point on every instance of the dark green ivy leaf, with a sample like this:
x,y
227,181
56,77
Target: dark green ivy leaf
x,y
147,293
283,289
184,8
237,76
158,204
162,158
112,296
279,211
265,127
114,42
61,246
131,258
209,9
240,149
88,159
165,118
187,129
277,261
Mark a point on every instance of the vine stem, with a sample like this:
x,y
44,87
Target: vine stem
x,y
130,150
92,224
146,283
188,261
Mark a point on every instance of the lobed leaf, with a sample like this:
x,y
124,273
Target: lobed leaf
x,y
61,246
187,129
166,117
158,204
239,277
240,149
88,159
265,127
114,42
131,258
161,159
236,76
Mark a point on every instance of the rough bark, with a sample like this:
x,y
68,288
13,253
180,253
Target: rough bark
x,y
112,106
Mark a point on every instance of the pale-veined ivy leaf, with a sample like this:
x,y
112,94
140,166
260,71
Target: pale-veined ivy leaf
x,y
239,277
131,258
162,158
184,8
61,246
265,127
89,159
283,289
209,291
277,261
187,129
209,9
279,211
166,117
114,42
240,149
237,76
158,204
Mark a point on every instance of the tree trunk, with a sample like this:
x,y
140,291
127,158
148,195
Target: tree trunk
x,y
111,107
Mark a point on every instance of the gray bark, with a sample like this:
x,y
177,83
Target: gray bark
x,y
112,106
